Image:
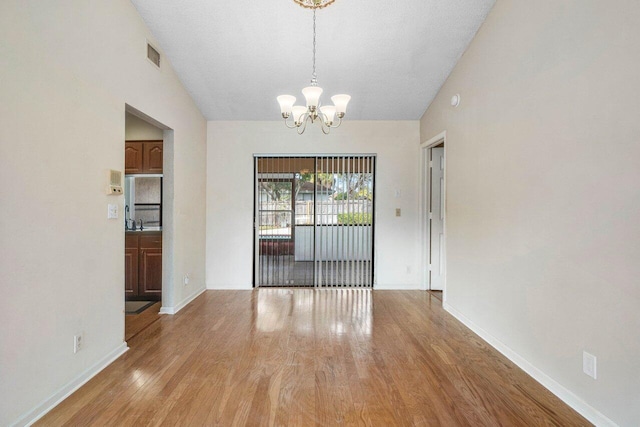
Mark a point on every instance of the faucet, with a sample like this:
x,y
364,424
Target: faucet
x,y
126,220
141,225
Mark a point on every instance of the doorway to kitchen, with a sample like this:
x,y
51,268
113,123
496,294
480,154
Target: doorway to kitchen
x,y
148,201
314,221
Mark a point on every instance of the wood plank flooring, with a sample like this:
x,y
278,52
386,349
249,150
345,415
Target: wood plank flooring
x,y
136,323
304,357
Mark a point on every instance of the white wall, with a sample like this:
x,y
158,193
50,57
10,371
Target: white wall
x,y
137,129
230,149
543,194
67,70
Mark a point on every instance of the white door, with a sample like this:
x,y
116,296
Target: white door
x,y
436,220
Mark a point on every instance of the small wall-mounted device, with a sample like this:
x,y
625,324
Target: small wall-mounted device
x,y
455,100
115,183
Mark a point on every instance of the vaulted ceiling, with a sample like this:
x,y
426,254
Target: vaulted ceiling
x,y
235,56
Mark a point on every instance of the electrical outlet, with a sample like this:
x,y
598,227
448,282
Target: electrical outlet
x,y
398,212
77,343
589,364
186,279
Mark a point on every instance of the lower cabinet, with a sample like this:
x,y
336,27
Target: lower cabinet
x,y
131,267
143,265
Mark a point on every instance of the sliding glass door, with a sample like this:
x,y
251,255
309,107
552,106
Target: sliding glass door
x,y
314,222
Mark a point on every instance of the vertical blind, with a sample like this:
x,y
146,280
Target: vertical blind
x,y
314,222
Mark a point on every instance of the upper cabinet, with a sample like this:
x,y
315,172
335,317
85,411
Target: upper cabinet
x,y
132,157
143,157
152,157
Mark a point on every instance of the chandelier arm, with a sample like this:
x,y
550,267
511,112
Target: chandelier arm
x,y
303,126
324,125
339,123
286,123
323,119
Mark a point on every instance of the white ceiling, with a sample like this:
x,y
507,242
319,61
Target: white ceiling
x,y
235,56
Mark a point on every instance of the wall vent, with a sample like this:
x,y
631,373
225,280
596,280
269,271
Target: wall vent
x,y
153,55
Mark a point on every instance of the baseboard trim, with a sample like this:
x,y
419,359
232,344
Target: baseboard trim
x,y
590,413
228,287
388,287
187,300
41,410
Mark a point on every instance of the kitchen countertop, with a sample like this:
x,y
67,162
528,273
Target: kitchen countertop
x,y
146,230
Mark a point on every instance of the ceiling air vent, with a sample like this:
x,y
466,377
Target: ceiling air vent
x,y
153,55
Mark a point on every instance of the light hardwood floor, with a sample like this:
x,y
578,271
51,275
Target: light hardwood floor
x,y
136,323
304,357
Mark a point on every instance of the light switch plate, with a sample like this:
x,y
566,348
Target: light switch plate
x,y
589,364
112,211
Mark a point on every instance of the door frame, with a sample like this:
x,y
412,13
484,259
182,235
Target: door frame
x,y
168,264
425,196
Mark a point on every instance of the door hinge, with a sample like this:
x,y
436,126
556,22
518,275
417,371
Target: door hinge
x,y
429,267
430,215
431,163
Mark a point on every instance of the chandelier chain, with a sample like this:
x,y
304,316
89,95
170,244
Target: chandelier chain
x,y
314,77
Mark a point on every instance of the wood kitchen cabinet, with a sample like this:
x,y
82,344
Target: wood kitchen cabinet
x,y
143,157
152,157
130,265
143,265
132,157
150,265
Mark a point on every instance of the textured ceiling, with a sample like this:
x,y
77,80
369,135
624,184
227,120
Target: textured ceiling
x,y
235,56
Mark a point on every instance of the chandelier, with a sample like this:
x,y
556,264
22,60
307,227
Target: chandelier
x,y
314,111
